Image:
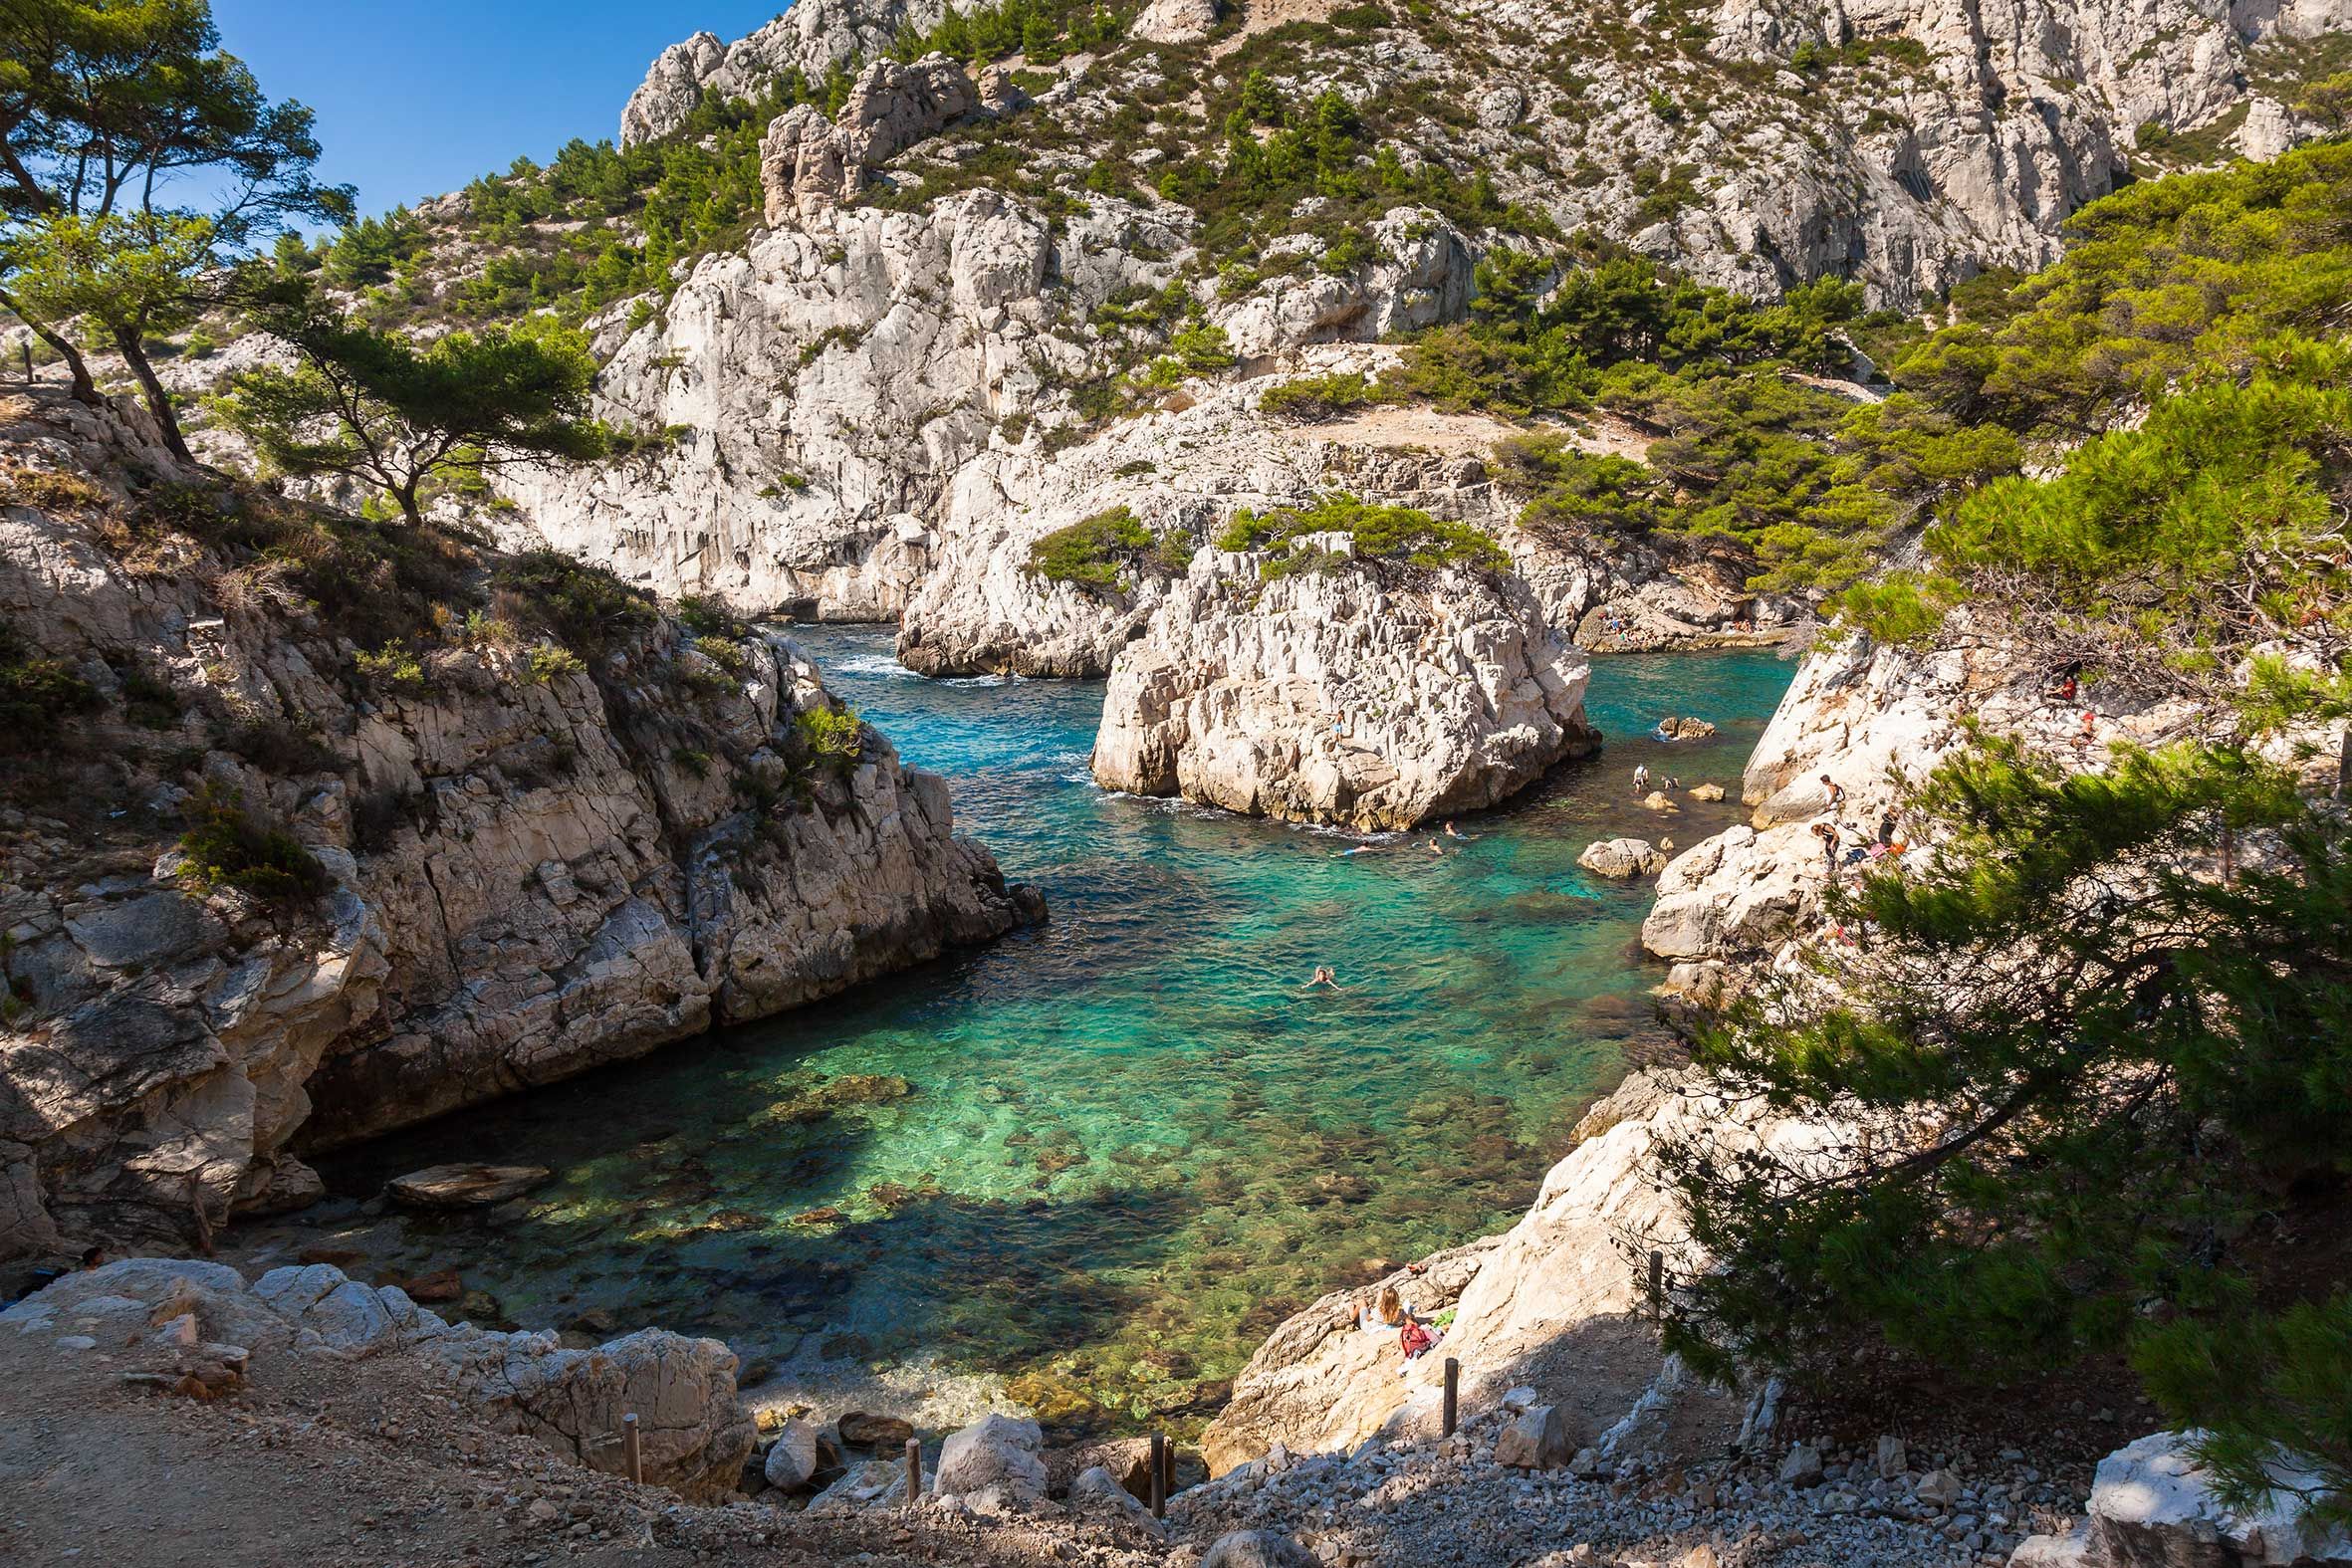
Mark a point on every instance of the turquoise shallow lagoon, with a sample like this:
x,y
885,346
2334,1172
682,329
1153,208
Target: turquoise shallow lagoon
x,y
1108,1155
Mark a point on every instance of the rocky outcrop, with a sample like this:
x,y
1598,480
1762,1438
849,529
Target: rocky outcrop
x,y
1334,696
1176,21
1552,1307
808,164
529,865
1619,858
1871,718
2152,1505
811,37
1181,472
694,1436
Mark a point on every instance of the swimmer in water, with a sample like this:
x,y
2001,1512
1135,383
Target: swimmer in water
x,y
1363,850
1323,977
1436,848
1455,832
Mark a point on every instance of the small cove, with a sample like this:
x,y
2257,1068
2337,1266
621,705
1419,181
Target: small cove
x,y
1105,1157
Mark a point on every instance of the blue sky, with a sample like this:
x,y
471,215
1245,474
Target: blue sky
x,y
417,97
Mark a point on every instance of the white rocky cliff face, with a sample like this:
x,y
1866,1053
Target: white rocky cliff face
x,y
811,37
530,866
1332,697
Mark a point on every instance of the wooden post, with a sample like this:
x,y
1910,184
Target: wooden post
x,y
1658,1285
1159,1475
631,1454
1453,1394
1168,1489
915,1471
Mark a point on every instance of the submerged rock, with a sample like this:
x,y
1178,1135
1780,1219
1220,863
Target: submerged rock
x,y
466,1186
1332,697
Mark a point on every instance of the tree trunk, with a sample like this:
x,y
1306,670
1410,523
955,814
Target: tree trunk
x,y
409,510
135,354
84,389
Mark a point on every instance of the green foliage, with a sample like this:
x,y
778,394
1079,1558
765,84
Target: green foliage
x,y
832,736
550,663
2186,277
372,406
1313,399
392,665
2223,510
104,108
2119,1056
38,695
1107,553
1041,30
2270,1394
1379,537
228,847
585,607
1898,608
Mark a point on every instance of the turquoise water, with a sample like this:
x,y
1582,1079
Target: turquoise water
x,y
1110,1154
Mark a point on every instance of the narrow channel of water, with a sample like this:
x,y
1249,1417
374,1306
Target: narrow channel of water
x,y
1111,1154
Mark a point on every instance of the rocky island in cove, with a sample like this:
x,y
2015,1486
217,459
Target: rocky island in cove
x,y
1201,783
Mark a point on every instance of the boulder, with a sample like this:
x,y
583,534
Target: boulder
x,y
1678,729
1332,697
997,1451
1938,1489
1175,20
1893,1459
1097,1489
2152,1505
1127,1459
791,1457
694,1432
349,1316
885,1435
1619,858
1255,1549
1536,1441
465,1186
1801,1466
1707,791
1659,801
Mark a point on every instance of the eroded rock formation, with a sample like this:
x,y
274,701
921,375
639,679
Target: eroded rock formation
x,y
1331,696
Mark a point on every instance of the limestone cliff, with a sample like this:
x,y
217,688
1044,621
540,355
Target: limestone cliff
x,y
450,856
1356,694
950,285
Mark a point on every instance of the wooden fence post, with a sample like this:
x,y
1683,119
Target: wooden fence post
x,y
1453,1394
915,1471
631,1454
1159,1475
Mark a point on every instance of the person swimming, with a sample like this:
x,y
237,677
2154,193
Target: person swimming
x,y
1324,977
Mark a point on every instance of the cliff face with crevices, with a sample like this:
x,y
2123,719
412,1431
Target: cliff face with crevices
x,y
529,862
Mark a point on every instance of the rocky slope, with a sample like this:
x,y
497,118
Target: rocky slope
x,y
1335,696
496,861
870,395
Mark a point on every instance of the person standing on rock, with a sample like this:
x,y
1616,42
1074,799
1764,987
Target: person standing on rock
x,y
1833,791
1828,836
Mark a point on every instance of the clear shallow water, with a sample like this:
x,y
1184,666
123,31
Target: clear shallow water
x,y
1109,1155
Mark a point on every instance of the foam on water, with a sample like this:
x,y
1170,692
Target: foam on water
x,y
1113,1152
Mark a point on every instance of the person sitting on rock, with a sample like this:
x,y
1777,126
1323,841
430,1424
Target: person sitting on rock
x,y
1416,1339
1386,1314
